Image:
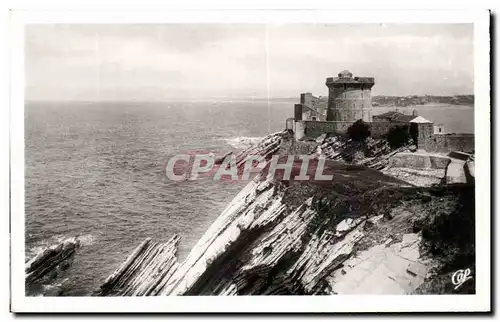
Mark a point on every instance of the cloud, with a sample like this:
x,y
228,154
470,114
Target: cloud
x,y
198,61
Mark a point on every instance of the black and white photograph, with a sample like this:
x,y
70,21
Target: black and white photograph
x,y
271,157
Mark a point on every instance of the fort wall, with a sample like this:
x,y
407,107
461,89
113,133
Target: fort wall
x,y
379,130
313,129
349,98
444,143
419,161
426,139
310,108
350,104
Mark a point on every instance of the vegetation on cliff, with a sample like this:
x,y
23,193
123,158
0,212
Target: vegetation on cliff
x,y
358,131
398,136
295,237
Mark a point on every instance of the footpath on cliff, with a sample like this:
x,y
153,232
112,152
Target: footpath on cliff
x,y
363,232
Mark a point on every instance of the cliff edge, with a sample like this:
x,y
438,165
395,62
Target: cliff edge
x,y
362,232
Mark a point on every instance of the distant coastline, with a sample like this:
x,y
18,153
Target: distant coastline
x,y
381,101
402,101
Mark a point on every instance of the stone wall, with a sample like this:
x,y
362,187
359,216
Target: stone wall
x,y
379,130
299,129
349,104
425,133
311,115
298,112
445,143
419,161
313,129
312,108
426,139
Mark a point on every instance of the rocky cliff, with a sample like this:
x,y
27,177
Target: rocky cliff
x,y
362,232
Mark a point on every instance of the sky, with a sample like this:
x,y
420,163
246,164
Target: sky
x,y
215,61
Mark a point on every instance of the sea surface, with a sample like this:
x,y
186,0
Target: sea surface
x,y
95,170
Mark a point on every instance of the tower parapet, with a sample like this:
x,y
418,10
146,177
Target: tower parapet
x,y
349,98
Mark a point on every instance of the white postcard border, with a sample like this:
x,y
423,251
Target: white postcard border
x,y
359,303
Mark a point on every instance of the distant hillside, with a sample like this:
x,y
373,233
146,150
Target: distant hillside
x,y
382,100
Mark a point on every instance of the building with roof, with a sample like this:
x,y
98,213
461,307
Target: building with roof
x,y
349,98
311,108
420,120
395,117
439,129
386,117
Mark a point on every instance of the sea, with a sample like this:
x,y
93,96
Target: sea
x,y
96,171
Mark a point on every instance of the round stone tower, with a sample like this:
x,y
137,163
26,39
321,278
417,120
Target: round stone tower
x,y
349,98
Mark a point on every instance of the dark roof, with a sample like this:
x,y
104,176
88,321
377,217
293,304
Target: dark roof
x,y
388,115
394,116
403,118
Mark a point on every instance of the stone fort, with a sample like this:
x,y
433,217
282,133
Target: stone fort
x,y
349,100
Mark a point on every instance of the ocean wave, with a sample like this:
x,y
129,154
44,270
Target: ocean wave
x,y
85,240
242,142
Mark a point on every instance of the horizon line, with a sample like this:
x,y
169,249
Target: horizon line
x,y
205,99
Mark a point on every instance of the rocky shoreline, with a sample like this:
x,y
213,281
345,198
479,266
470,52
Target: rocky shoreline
x,y
370,230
